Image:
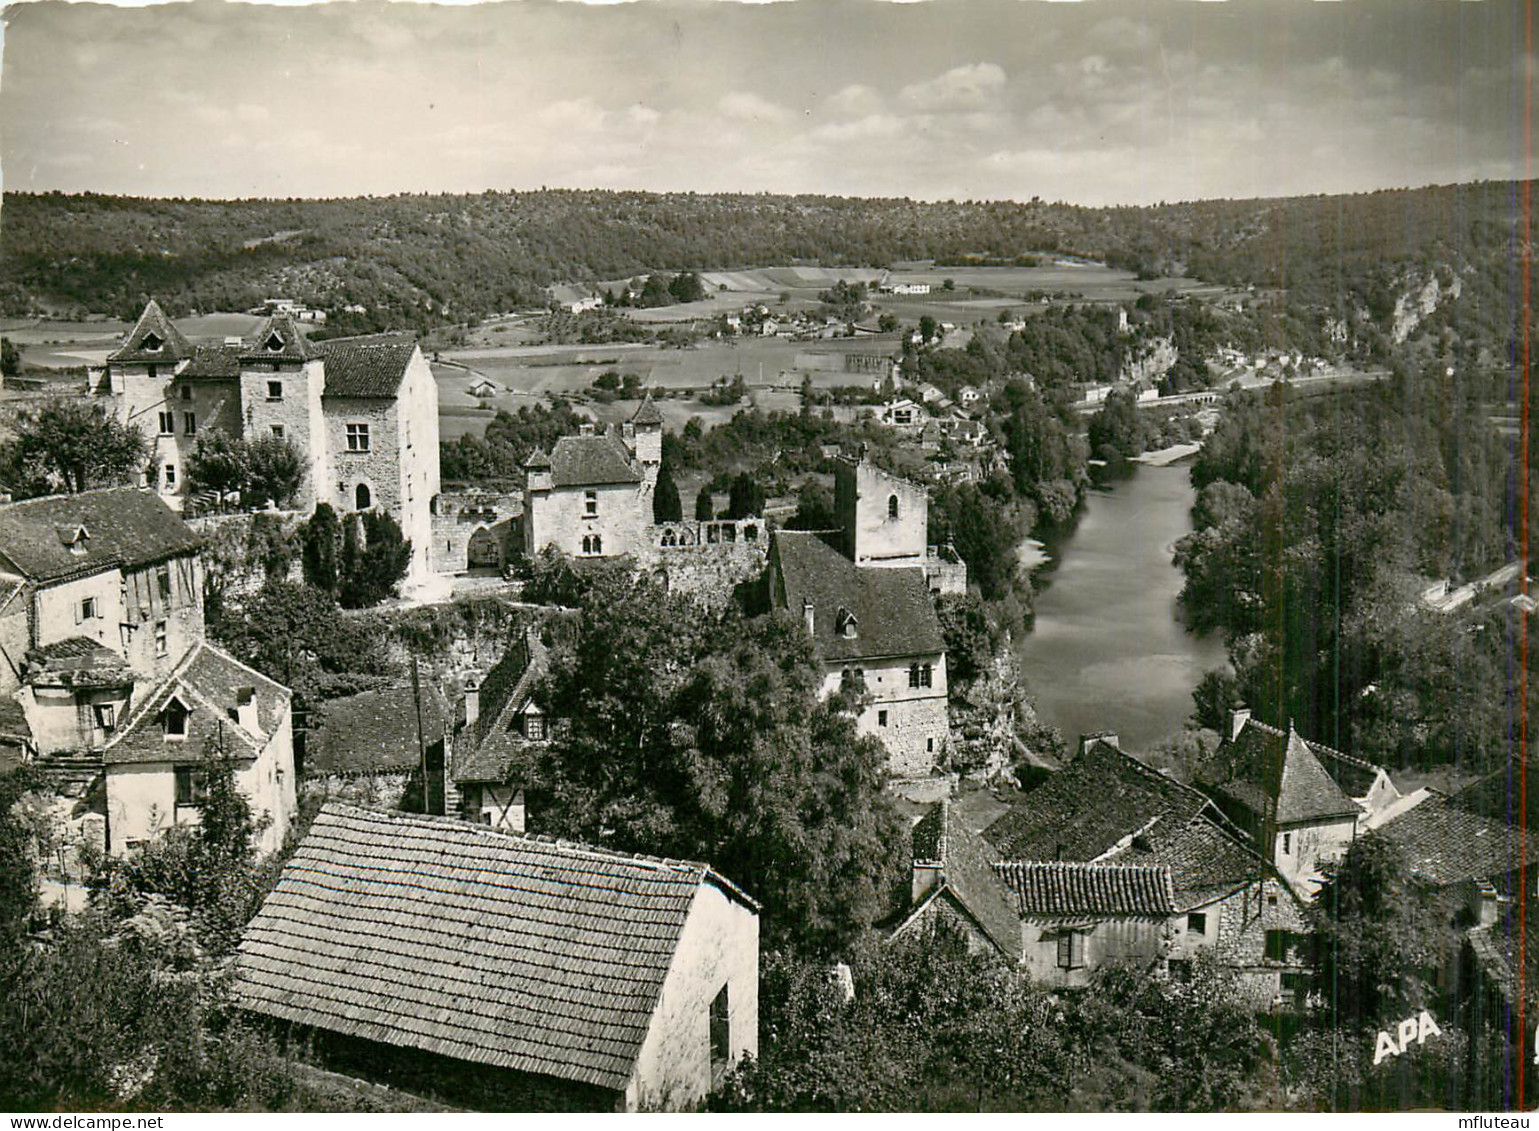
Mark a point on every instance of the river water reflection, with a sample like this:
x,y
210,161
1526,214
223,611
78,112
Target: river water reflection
x,y
1107,650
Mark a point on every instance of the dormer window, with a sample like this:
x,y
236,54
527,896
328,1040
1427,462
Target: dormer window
x,y
76,538
175,719
846,625
152,342
274,342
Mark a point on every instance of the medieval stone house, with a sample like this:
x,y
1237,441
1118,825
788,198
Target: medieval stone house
x,y
362,412
506,972
106,681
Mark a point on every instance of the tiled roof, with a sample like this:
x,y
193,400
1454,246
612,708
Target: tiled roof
x,y
75,661
894,615
1446,843
375,731
589,461
213,361
1265,766
966,866
487,751
1353,775
371,366
1099,799
123,527
1205,862
1064,890
207,682
173,346
440,935
648,412
278,339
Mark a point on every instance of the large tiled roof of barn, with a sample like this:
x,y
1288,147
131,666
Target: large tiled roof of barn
x,y
592,461
208,682
124,527
173,344
1083,811
1069,890
894,615
371,366
439,935
1267,766
375,731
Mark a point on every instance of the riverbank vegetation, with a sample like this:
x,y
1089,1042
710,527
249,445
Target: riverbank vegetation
x,y
1318,524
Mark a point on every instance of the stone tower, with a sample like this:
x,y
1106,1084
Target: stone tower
x,y
282,378
883,519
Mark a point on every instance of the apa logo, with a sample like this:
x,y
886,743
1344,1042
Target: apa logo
x,y
1416,1029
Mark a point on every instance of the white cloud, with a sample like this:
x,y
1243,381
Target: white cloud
x,y
746,106
970,87
855,101
863,129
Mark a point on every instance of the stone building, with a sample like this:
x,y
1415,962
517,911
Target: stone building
x,y
107,682
501,729
505,972
474,530
372,747
591,497
361,412
865,592
1274,788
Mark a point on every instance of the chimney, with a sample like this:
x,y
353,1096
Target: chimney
x,y
585,428
1484,903
246,710
472,700
1237,720
807,616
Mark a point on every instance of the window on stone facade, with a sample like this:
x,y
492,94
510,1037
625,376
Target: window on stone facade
x,y
106,717
721,1035
163,581
162,640
534,727
892,506
190,423
363,498
590,504
1071,950
277,431
881,718
126,636
88,609
167,423
1287,843
1196,923
929,746
275,390
191,786
357,437
150,371
186,392
170,475
926,675
913,675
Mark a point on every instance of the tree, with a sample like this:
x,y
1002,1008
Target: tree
x,y
814,508
927,328
687,287
666,504
887,323
73,444
1116,430
378,563
746,497
10,358
275,470
320,543
964,621
701,734
217,463
705,504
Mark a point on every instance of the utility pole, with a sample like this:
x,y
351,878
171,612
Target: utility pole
x,y
416,695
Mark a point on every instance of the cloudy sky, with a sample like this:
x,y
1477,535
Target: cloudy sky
x,y
1101,102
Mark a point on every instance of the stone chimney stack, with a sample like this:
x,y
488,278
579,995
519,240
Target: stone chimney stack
x,y
472,700
1086,741
808,612
1237,720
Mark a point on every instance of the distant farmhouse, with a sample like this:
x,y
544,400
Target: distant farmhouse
x,y
506,972
865,594
108,684
363,412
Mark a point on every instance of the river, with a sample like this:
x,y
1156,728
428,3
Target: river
x,y
1107,651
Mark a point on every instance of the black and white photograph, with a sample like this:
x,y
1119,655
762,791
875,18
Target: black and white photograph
x,y
723,557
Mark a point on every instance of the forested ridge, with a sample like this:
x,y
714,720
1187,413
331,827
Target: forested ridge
x,y
419,260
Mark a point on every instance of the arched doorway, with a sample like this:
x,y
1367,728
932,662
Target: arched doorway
x,y
363,498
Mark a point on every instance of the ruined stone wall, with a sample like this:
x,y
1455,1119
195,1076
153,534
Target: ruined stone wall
x,y
708,560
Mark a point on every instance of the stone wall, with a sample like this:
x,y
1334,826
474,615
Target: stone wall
x,y
297,412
